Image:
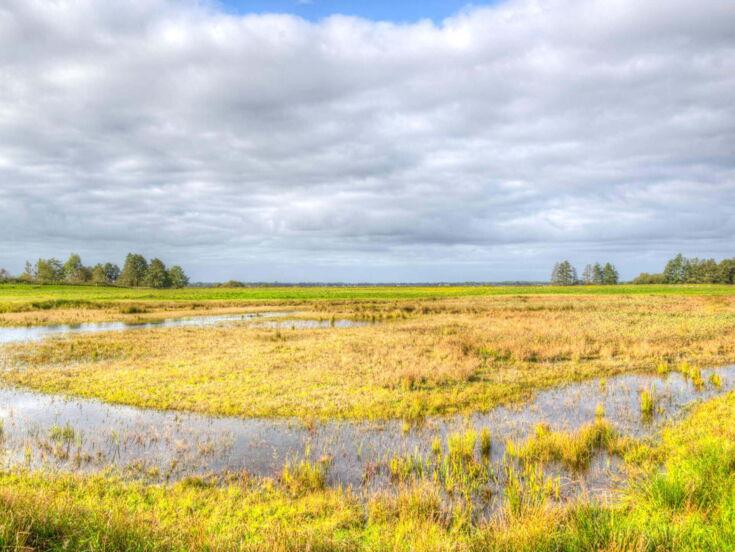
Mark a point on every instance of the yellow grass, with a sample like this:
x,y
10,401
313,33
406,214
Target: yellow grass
x,y
421,357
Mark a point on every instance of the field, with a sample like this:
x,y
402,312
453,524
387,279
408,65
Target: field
x,y
426,369
14,298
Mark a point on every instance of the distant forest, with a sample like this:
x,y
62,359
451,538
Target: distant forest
x,y
683,270
679,270
136,272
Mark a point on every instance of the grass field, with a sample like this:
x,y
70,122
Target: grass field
x,y
422,352
419,357
22,296
55,304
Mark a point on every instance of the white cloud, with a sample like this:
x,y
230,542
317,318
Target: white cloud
x,y
270,147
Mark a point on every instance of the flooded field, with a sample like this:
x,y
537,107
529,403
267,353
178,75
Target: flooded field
x,y
55,433
43,431
442,417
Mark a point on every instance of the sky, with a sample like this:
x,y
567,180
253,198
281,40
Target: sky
x,y
367,141
402,11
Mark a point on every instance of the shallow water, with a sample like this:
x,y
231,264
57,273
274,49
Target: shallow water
x,y
308,324
19,334
171,445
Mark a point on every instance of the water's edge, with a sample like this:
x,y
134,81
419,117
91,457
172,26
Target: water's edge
x,y
179,444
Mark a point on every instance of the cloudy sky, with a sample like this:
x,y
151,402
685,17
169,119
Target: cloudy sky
x,y
330,141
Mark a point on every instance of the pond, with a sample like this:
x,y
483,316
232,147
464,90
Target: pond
x,y
19,334
53,432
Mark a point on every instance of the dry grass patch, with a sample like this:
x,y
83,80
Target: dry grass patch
x,y
436,357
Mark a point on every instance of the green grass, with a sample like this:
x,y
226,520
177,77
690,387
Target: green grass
x,y
38,297
573,450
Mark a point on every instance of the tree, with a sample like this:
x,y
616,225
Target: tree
x,y
4,276
29,273
157,276
587,275
609,274
726,271
675,270
177,278
701,271
134,271
564,274
112,272
598,276
98,275
74,271
646,278
49,271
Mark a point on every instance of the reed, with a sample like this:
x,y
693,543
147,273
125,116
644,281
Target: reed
x,y
572,449
648,402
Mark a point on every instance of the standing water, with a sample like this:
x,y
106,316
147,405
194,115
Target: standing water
x,y
16,334
46,431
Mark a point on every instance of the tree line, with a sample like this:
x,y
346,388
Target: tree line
x,y
564,274
136,272
684,270
678,270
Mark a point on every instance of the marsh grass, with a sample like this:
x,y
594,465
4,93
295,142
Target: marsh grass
x,y
460,471
572,449
648,402
485,442
527,489
62,434
440,357
305,475
692,373
684,504
426,356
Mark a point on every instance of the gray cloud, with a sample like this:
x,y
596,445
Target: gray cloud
x,y
268,147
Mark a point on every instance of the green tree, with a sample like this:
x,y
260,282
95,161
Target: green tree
x,y
598,276
134,271
675,270
157,276
29,273
564,274
74,270
702,271
112,272
4,276
609,274
726,270
49,271
177,277
98,275
587,275
646,278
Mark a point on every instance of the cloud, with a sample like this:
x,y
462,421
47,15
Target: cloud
x,y
269,147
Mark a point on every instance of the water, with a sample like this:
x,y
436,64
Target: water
x,y
171,445
68,434
263,319
307,324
